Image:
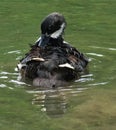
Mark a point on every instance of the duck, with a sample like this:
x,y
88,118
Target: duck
x,y
51,61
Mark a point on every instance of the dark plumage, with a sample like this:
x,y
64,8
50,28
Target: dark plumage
x,y
51,61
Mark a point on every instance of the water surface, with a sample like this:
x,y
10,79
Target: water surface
x,y
86,104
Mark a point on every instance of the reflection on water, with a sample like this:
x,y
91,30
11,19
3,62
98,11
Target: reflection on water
x,y
54,101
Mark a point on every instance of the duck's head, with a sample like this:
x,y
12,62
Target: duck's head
x,y
52,27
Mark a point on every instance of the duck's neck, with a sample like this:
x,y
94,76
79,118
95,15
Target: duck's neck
x,y
55,42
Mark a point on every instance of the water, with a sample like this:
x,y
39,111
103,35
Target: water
x,y
87,103
55,103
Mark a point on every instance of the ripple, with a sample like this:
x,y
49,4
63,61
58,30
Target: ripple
x,y
14,52
84,80
110,48
19,57
87,75
95,84
41,91
95,54
3,77
2,85
17,82
8,73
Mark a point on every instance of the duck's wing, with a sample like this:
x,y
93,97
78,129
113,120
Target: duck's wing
x,y
33,55
76,59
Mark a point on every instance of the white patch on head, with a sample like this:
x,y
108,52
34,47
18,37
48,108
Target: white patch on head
x,y
58,32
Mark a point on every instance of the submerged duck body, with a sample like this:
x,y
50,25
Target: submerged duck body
x,y
51,61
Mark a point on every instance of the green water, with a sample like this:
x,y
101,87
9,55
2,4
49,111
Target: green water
x,y
89,103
